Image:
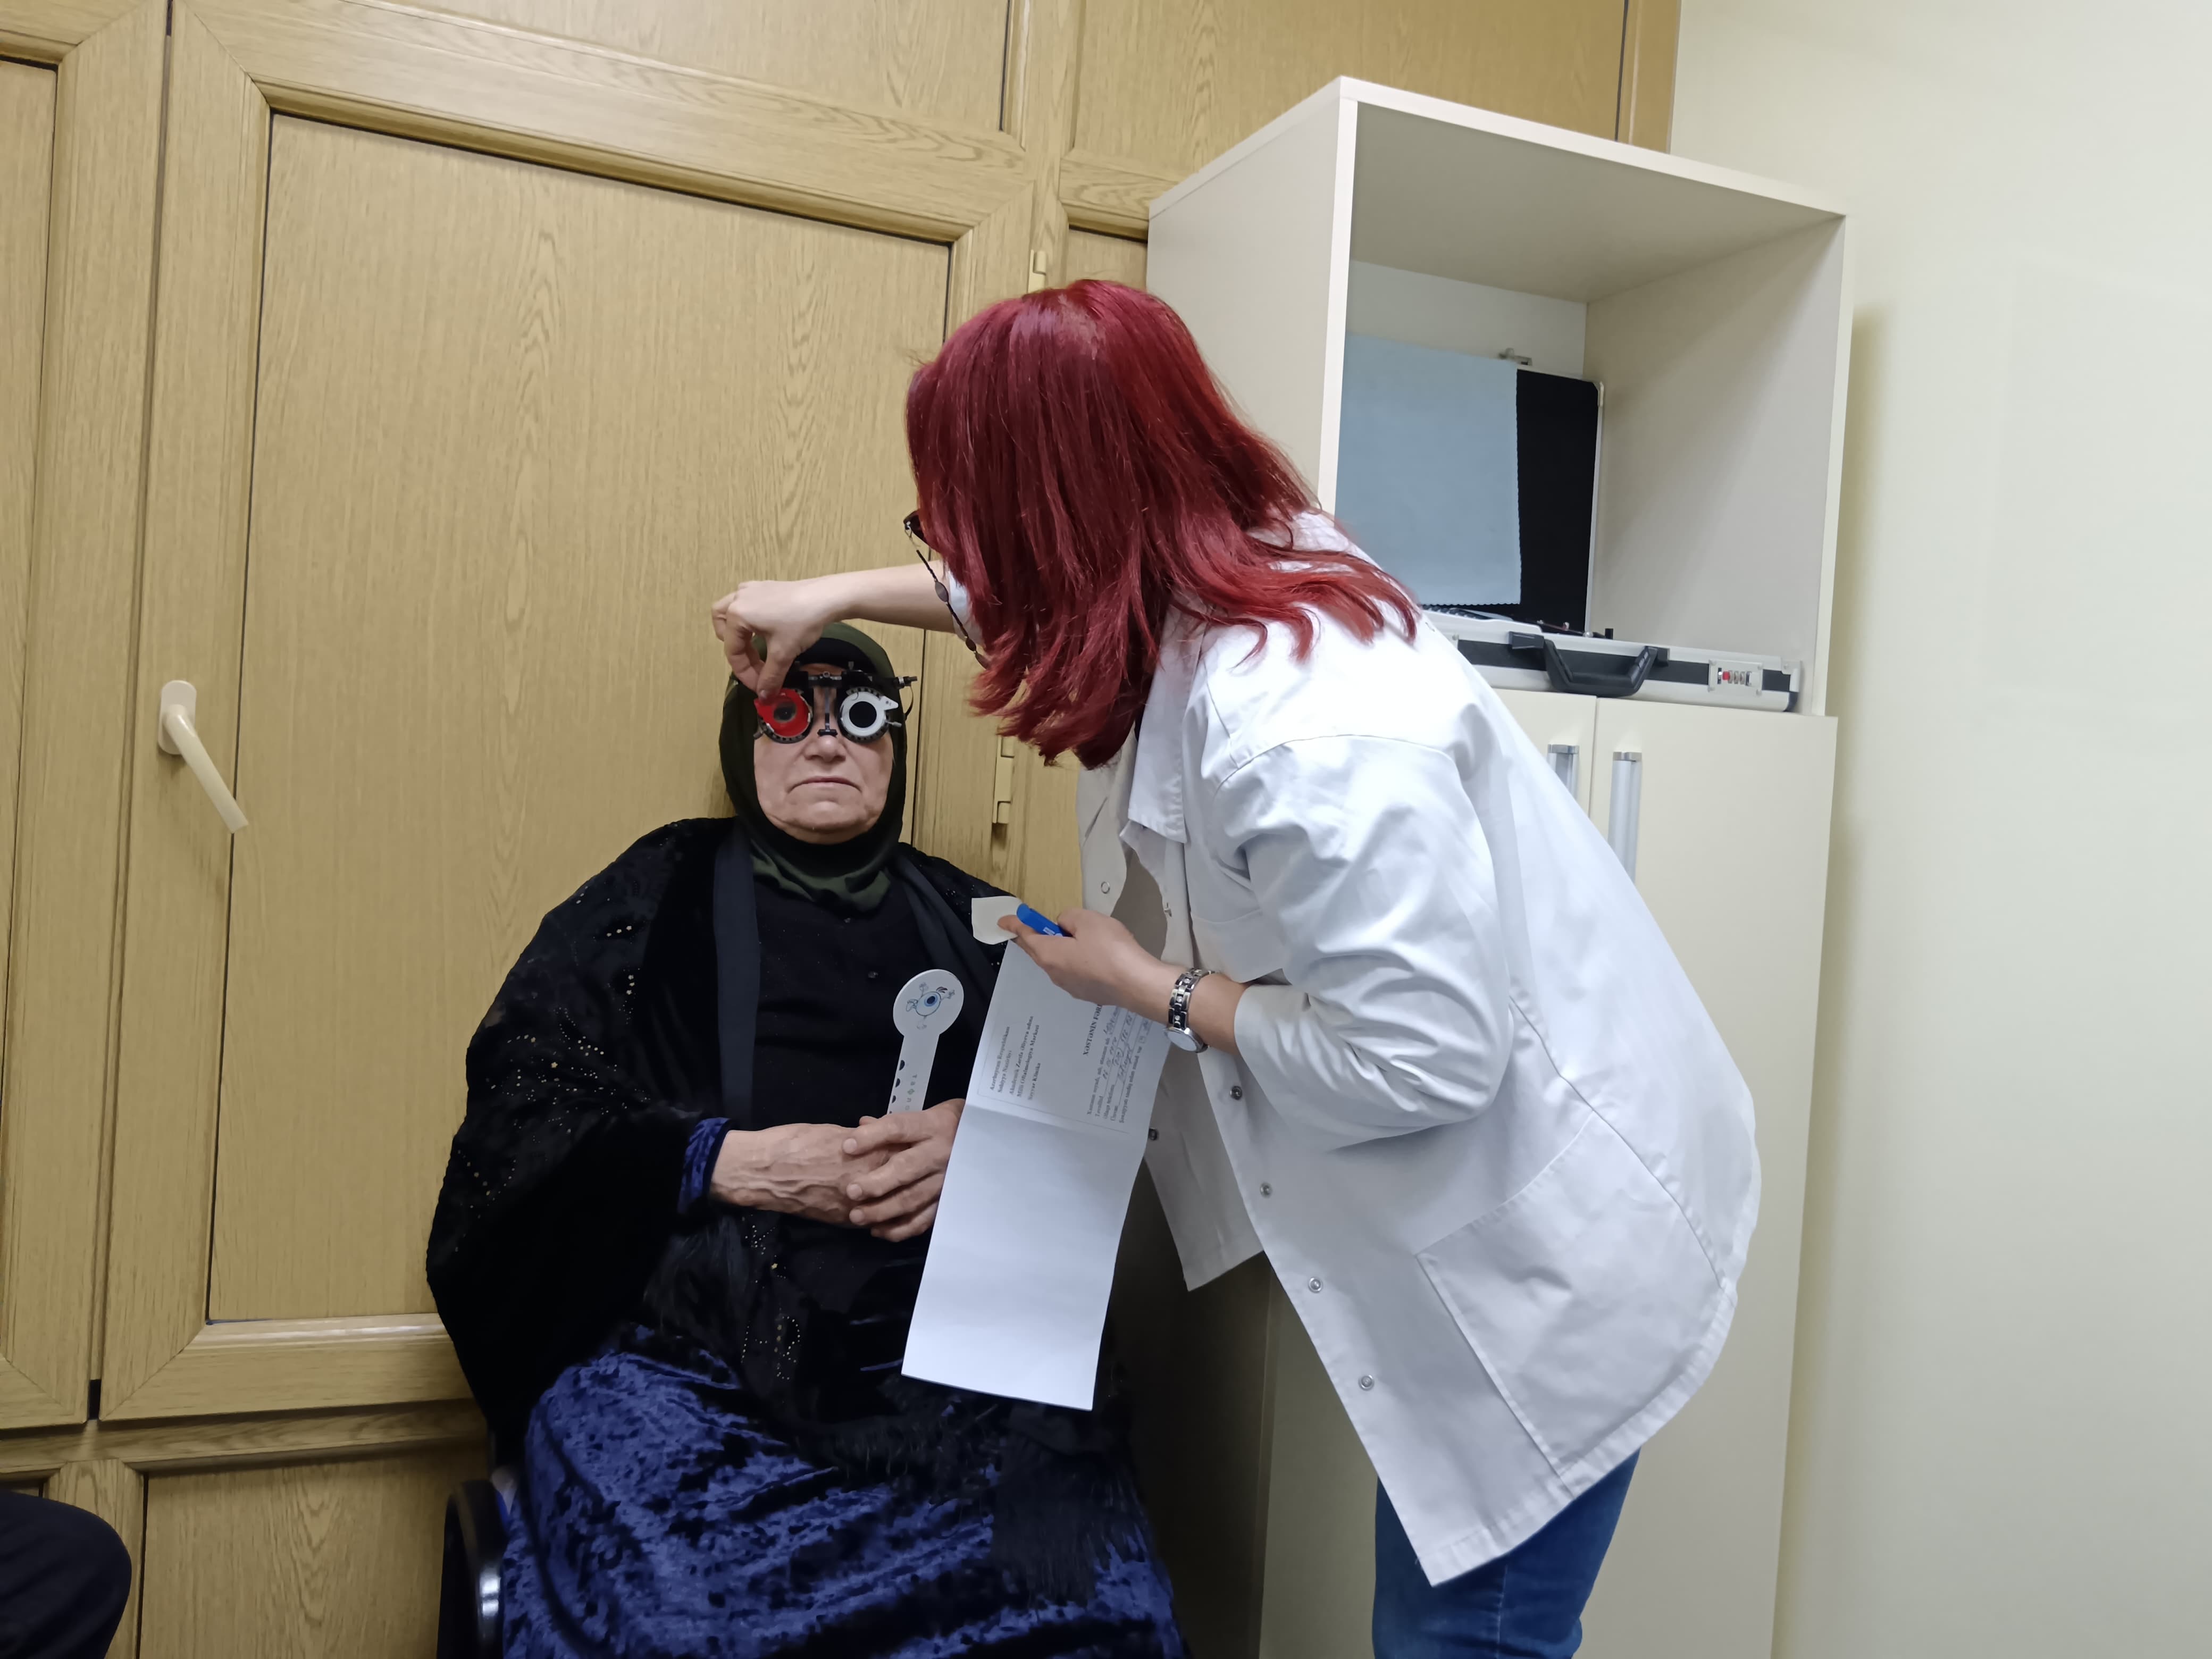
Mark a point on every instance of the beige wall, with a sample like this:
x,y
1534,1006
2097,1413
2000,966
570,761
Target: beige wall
x,y
1998,1444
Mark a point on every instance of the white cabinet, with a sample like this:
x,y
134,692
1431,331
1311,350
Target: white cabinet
x,y
1732,857
1733,846
1711,308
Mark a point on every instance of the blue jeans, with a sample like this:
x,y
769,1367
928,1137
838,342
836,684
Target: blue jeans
x,y
1527,1604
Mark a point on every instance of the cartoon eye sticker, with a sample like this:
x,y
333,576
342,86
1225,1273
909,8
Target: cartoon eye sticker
x,y
864,714
924,1008
787,714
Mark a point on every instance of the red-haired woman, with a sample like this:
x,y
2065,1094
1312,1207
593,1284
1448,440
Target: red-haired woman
x,y
1441,1065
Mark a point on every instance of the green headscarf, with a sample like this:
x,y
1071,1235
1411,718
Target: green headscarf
x,y
851,876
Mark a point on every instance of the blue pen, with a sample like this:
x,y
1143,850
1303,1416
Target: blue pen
x,y
1029,918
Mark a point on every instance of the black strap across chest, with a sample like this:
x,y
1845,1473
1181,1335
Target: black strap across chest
x,y
737,971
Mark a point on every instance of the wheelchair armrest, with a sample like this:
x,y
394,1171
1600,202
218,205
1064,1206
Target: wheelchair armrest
x,y
469,1595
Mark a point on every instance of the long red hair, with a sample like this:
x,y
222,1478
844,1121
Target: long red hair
x,y
1082,474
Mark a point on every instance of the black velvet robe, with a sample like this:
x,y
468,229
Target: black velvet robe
x,y
557,1224
728,1459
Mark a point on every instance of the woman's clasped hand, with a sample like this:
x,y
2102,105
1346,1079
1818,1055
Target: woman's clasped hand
x,y
897,1198
884,1176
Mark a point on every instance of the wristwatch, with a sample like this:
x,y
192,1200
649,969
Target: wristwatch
x,y
1179,1031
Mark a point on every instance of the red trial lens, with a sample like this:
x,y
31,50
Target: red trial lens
x,y
786,713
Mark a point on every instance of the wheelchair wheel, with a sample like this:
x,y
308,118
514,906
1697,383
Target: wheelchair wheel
x,y
469,1591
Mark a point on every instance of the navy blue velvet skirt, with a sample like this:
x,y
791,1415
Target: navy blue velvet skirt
x,y
659,1518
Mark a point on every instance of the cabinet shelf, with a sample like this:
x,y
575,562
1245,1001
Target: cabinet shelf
x,y
1711,307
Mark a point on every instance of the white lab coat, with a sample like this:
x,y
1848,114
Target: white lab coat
x,y
1493,1146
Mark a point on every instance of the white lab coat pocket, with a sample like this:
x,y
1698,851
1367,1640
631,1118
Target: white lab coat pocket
x,y
1585,1295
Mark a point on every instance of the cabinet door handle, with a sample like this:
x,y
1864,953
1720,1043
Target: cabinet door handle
x,y
1627,809
178,736
1566,758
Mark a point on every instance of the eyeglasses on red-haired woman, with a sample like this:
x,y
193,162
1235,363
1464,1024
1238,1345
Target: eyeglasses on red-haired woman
x,y
1437,1060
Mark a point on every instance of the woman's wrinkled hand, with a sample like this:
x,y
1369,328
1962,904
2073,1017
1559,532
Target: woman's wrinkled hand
x,y
796,1169
898,1199
785,616
1100,961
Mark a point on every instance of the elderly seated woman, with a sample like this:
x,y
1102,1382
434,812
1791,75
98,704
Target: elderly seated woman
x,y
678,1251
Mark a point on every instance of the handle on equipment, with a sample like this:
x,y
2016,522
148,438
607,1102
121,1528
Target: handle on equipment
x,y
1625,681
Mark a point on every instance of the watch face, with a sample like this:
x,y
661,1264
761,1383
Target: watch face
x,y
1185,1040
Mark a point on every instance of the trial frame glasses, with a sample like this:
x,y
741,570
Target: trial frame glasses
x,y
912,525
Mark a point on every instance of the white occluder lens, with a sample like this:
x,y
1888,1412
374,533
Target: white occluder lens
x,y
864,714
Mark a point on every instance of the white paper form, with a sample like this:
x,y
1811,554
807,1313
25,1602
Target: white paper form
x,y
1020,1258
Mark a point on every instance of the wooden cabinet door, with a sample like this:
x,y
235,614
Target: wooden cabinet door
x,y
26,134
1732,856
79,150
309,1560
1171,84
451,453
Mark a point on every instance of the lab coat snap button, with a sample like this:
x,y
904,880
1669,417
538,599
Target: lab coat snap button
x,y
1313,1284
1237,1091
1152,1134
1266,1191
1367,1382
1105,886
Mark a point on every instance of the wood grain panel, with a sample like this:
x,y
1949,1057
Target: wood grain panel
x,y
937,58
1114,259
304,1364
27,144
1045,865
116,1492
200,454
502,464
312,1561
1110,194
234,1442
1043,39
958,751
84,546
47,31
393,68
1004,253
1174,83
1648,53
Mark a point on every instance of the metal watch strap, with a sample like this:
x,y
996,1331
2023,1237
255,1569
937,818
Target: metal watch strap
x,y
1179,1002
